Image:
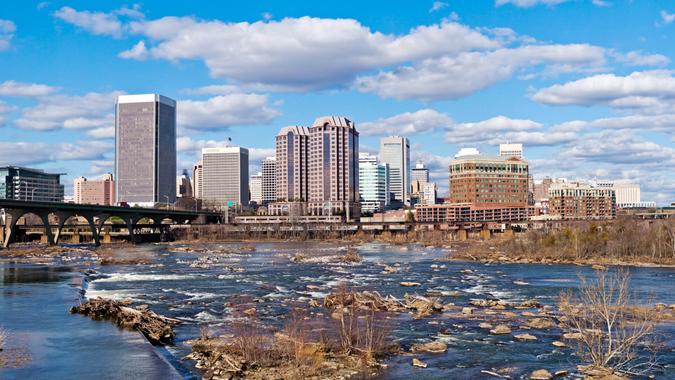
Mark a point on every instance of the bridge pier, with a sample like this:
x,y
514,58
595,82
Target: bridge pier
x,y
63,217
10,228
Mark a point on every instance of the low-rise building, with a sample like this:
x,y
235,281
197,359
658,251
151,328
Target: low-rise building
x,y
581,201
25,184
454,213
95,192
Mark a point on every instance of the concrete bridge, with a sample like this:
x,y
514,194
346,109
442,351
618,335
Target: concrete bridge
x,y
96,216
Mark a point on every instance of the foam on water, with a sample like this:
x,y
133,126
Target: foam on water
x,y
130,277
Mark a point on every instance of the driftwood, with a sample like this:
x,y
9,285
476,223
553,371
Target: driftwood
x,y
156,328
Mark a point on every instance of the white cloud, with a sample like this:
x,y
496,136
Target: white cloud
x,y
99,23
638,58
667,17
407,123
500,129
215,89
14,88
655,123
107,132
299,53
466,73
24,153
437,6
650,91
92,110
619,147
225,111
528,3
7,29
138,52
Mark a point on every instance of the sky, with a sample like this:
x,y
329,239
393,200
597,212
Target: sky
x,y
587,86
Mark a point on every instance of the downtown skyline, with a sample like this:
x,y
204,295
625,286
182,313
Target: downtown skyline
x,y
446,75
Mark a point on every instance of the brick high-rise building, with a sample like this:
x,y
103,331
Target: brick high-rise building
x,y
292,164
489,181
97,192
580,201
334,167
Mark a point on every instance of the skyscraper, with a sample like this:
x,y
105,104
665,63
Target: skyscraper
x,y
255,187
269,187
145,149
373,184
197,175
395,151
333,167
420,173
225,177
292,164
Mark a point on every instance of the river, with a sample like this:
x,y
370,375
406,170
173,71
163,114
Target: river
x,y
197,288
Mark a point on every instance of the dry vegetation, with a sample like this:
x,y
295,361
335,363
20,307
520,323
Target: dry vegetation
x,y
613,336
623,241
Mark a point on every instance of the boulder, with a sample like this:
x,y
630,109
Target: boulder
x,y
540,323
485,325
409,283
435,347
418,363
558,343
467,310
250,312
525,337
501,330
541,374
572,335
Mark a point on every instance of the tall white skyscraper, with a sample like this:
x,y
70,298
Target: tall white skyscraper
x,y
269,188
225,176
197,175
511,150
256,188
395,152
373,184
145,149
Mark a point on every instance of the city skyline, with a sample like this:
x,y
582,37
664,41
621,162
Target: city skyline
x,y
537,84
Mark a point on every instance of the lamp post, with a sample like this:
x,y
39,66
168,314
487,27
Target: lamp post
x,y
167,201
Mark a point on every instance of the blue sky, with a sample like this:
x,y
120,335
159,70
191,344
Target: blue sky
x,y
586,85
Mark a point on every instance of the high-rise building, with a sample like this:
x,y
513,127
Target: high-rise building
x,y
145,149
541,189
489,181
373,183
292,164
225,177
256,188
581,201
429,193
184,185
333,167
97,192
395,152
197,175
269,180
511,150
24,184
420,173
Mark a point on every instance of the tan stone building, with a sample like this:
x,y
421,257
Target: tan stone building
x,y
334,168
99,192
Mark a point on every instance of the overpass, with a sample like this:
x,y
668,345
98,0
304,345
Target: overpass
x,y
96,217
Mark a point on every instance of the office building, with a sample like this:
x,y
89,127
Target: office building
x,y
256,188
541,189
489,181
511,150
24,184
420,173
292,164
627,194
184,185
269,180
373,184
197,175
581,201
429,193
455,213
467,152
145,149
395,152
225,177
333,167
96,192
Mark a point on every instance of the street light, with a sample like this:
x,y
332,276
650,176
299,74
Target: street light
x,y
167,201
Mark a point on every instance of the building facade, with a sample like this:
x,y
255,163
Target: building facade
x,y
459,213
489,181
255,186
511,150
395,152
145,149
225,177
429,193
292,164
98,192
420,173
269,180
184,185
25,184
334,167
373,184
627,194
197,175
581,201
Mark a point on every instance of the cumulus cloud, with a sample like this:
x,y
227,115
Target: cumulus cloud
x,y
528,3
500,129
225,111
26,153
620,147
466,73
93,22
92,110
638,58
437,6
14,88
653,122
4,109
407,123
650,91
138,52
7,29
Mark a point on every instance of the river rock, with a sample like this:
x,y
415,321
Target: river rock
x,y
435,347
501,330
541,374
485,325
418,363
529,304
250,312
558,343
572,335
525,337
540,323
409,283
467,310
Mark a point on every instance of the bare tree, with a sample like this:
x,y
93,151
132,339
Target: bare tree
x,y
613,333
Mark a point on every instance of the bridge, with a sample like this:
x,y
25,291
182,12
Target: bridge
x,y
96,216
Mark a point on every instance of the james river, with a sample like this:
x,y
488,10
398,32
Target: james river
x,y
196,288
